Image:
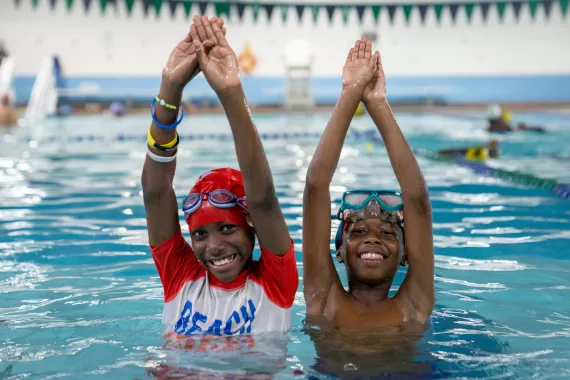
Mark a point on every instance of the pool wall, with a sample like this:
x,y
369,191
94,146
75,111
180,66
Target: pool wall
x,y
270,90
516,53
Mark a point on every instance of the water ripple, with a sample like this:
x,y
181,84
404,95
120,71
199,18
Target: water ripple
x,y
81,295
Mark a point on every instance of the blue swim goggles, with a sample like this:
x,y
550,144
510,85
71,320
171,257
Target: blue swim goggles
x,y
357,199
391,201
218,198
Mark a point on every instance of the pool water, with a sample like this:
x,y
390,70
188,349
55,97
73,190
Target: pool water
x,y
81,298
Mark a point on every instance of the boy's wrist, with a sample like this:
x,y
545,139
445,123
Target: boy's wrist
x,y
354,88
352,93
376,102
231,94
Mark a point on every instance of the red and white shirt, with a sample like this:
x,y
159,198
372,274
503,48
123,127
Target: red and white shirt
x,y
258,300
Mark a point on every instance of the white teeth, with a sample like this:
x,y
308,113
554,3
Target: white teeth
x,y
370,255
224,261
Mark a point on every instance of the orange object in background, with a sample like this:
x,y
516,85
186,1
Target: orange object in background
x,y
246,59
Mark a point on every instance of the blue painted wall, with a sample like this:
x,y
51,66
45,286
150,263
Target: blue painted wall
x,y
270,90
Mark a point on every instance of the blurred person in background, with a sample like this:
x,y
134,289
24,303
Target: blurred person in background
x,y
500,121
3,52
116,109
8,115
474,153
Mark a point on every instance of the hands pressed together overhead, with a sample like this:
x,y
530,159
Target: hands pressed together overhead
x,y
204,49
363,72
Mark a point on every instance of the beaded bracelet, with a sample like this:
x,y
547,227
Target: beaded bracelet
x,y
164,104
162,126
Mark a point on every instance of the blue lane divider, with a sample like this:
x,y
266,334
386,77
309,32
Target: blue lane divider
x,y
369,134
560,189
563,190
188,137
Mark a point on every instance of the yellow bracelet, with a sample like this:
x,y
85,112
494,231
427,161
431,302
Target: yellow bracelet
x,y
164,104
163,147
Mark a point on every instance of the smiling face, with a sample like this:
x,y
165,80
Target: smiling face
x,y
223,248
370,251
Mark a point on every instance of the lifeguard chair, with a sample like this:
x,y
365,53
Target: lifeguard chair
x,y
298,59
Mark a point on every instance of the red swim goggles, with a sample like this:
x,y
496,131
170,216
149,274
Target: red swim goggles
x,y
217,198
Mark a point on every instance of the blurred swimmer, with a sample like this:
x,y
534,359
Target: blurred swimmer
x,y
500,121
474,153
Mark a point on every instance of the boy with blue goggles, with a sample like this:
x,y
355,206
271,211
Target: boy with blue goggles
x,y
370,240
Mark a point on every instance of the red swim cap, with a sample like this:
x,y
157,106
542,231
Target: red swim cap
x,y
218,179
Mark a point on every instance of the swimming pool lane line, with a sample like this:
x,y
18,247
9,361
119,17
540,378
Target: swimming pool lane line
x,y
137,137
560,189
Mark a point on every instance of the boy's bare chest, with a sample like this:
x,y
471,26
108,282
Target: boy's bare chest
x,y
345,311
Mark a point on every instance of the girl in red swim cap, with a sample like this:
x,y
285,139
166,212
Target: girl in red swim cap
x,y
215,287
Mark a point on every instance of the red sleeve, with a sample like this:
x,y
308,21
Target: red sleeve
x,y
278,276
176,264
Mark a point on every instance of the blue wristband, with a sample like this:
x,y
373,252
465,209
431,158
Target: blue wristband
x,y
162,126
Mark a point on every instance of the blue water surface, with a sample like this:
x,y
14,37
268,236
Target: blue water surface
x,y
80,296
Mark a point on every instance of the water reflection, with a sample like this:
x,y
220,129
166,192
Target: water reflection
x,y
233,357
80,296
353,353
